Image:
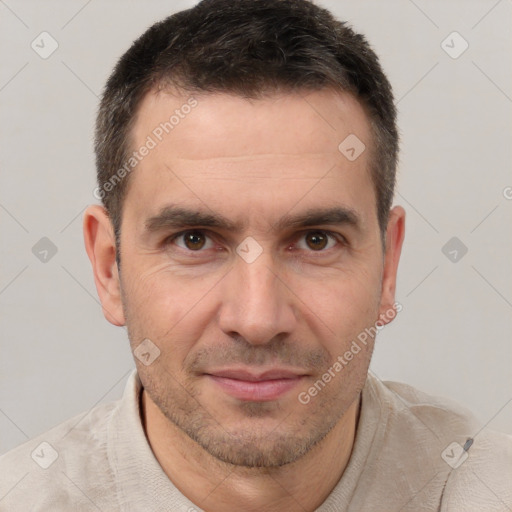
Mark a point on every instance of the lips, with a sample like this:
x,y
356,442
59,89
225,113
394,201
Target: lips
x,y
248,385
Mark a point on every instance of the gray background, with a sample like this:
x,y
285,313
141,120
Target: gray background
x,y
59,356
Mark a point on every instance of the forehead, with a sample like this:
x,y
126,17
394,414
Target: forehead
x,y
238,126
206,148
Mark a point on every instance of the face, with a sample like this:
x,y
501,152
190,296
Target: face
x,y
251,257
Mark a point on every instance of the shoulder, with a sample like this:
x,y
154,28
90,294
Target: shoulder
x,y
54,470
472,463
416,413
435,410
483,480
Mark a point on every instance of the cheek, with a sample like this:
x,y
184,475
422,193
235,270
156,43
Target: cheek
x,y
171,311
341,307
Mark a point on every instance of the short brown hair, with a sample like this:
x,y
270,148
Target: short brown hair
x,y
250,48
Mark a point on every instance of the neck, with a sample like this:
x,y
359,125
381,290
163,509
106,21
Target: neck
x,y
216,486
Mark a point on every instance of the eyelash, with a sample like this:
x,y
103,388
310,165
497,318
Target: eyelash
x,y
340,239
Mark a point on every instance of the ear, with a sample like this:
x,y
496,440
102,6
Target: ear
x,y
395,233
100,245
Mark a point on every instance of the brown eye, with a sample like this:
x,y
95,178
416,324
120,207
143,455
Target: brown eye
x,y
317,240
194,240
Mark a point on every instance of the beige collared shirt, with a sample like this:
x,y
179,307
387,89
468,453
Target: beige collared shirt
x,y
411,454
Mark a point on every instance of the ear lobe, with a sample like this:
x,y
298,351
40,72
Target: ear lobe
x,y
100,245
395,234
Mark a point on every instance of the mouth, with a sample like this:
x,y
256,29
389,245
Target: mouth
x,y
247,385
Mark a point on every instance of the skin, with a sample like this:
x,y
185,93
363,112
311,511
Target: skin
x,y
298,306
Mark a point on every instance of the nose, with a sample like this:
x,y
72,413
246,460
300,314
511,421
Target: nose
x,y
256,303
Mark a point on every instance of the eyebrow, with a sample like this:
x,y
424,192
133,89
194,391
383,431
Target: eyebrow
x,y
337,216
173,216
178,217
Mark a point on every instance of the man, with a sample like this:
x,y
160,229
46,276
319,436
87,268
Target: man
x,y
246,156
